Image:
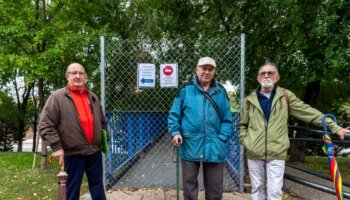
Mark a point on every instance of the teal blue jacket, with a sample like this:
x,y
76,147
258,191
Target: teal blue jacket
x,y
203,131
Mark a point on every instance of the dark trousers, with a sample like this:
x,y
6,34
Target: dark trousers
x,y
213,176
75,167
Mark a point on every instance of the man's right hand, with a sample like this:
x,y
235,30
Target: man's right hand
x,y
59,155
342,133
177,140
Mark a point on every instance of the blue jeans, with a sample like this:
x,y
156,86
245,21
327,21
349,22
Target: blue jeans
x,y
75,166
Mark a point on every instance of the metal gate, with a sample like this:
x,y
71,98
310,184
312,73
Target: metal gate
x,y
141,152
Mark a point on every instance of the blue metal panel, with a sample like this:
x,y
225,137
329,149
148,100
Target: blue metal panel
x,y
132,133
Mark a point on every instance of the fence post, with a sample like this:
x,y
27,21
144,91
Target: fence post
x,y
103,98
241,175
102,70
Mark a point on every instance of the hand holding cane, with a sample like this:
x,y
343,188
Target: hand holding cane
x,y
176,159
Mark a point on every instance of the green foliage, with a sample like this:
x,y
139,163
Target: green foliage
x,y
234,101
37,42
342,109
42,42
308,41
8,125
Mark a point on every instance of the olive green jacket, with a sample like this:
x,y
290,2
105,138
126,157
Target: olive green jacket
x,y
269,140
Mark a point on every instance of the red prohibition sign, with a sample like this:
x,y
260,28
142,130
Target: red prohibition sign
x,y
168,70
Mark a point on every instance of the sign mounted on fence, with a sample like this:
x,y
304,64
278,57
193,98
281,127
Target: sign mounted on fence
x,y
168,75
146,75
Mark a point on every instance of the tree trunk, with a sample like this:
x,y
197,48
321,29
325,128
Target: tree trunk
x,y
43,156
18,138
5,138
20,133
41,106
22,112
35,135
297,149
34,122
41,48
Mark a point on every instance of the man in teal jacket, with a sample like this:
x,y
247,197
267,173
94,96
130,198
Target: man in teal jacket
x,y
200,122
264,131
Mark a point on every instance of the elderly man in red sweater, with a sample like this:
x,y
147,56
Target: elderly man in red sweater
x,y
71,124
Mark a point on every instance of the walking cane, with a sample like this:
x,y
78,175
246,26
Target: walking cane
x,y
62,181
176,154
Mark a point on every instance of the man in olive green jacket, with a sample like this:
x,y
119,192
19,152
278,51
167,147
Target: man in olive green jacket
x,y
264,131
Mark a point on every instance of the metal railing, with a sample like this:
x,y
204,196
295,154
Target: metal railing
x,y
309,183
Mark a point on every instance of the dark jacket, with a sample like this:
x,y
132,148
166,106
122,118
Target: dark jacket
x,y
60,126
204,133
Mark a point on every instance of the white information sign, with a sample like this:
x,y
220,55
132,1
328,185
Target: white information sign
x,y
168,75
146,75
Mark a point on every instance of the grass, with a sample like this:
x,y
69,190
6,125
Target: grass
x,y
20,181
320,164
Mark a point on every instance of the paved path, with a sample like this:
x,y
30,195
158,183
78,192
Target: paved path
x,y
159,194
294,190
27,146
156,169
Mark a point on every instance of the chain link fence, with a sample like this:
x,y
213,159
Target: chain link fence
x,y
141,152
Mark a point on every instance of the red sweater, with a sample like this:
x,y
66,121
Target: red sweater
x,y
82,104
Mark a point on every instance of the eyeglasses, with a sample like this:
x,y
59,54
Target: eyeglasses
x,y
76,73
268,73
